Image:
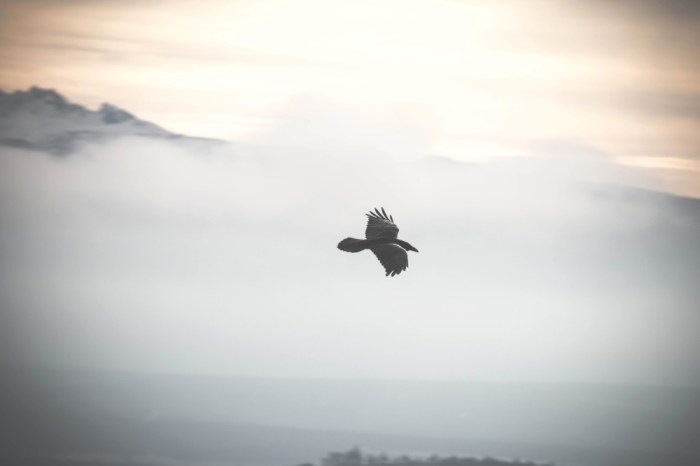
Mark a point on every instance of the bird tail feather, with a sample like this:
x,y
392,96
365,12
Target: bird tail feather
x,y
352,245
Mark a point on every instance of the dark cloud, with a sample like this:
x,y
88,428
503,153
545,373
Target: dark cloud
x,y
667,104
644,100
668,8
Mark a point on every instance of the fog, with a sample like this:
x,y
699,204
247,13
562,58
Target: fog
x,y
182,301
149,255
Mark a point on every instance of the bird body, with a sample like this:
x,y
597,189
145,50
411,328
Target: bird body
x,y
381,238
357,245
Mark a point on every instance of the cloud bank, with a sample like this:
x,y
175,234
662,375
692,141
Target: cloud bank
x,y
144,254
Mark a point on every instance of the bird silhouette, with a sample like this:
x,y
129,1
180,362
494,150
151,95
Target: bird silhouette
x,y
381,238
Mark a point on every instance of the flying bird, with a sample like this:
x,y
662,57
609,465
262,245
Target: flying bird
x,y
381,238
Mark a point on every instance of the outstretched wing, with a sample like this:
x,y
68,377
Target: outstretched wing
x,y
380,225
392,257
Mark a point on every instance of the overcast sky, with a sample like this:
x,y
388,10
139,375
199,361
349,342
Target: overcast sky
x,y
475,80
141,254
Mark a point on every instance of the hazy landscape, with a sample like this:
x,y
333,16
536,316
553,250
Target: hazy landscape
x,y
171,419
178,177
192,247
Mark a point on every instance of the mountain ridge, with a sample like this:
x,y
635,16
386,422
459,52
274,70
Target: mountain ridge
x,y
42,119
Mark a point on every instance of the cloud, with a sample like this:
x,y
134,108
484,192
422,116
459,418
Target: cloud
x,y
143,254
678,9
583,71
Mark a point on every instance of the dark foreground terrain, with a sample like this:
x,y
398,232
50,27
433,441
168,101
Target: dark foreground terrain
x,y
89,418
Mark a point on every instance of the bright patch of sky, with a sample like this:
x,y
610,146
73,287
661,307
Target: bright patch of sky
x,y
474,80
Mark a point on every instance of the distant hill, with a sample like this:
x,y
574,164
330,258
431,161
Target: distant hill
x,y
276,422
43,120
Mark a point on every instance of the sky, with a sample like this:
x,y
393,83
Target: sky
x,y
472,80
503,138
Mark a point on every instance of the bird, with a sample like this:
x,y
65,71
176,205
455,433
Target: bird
x,y
381,238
